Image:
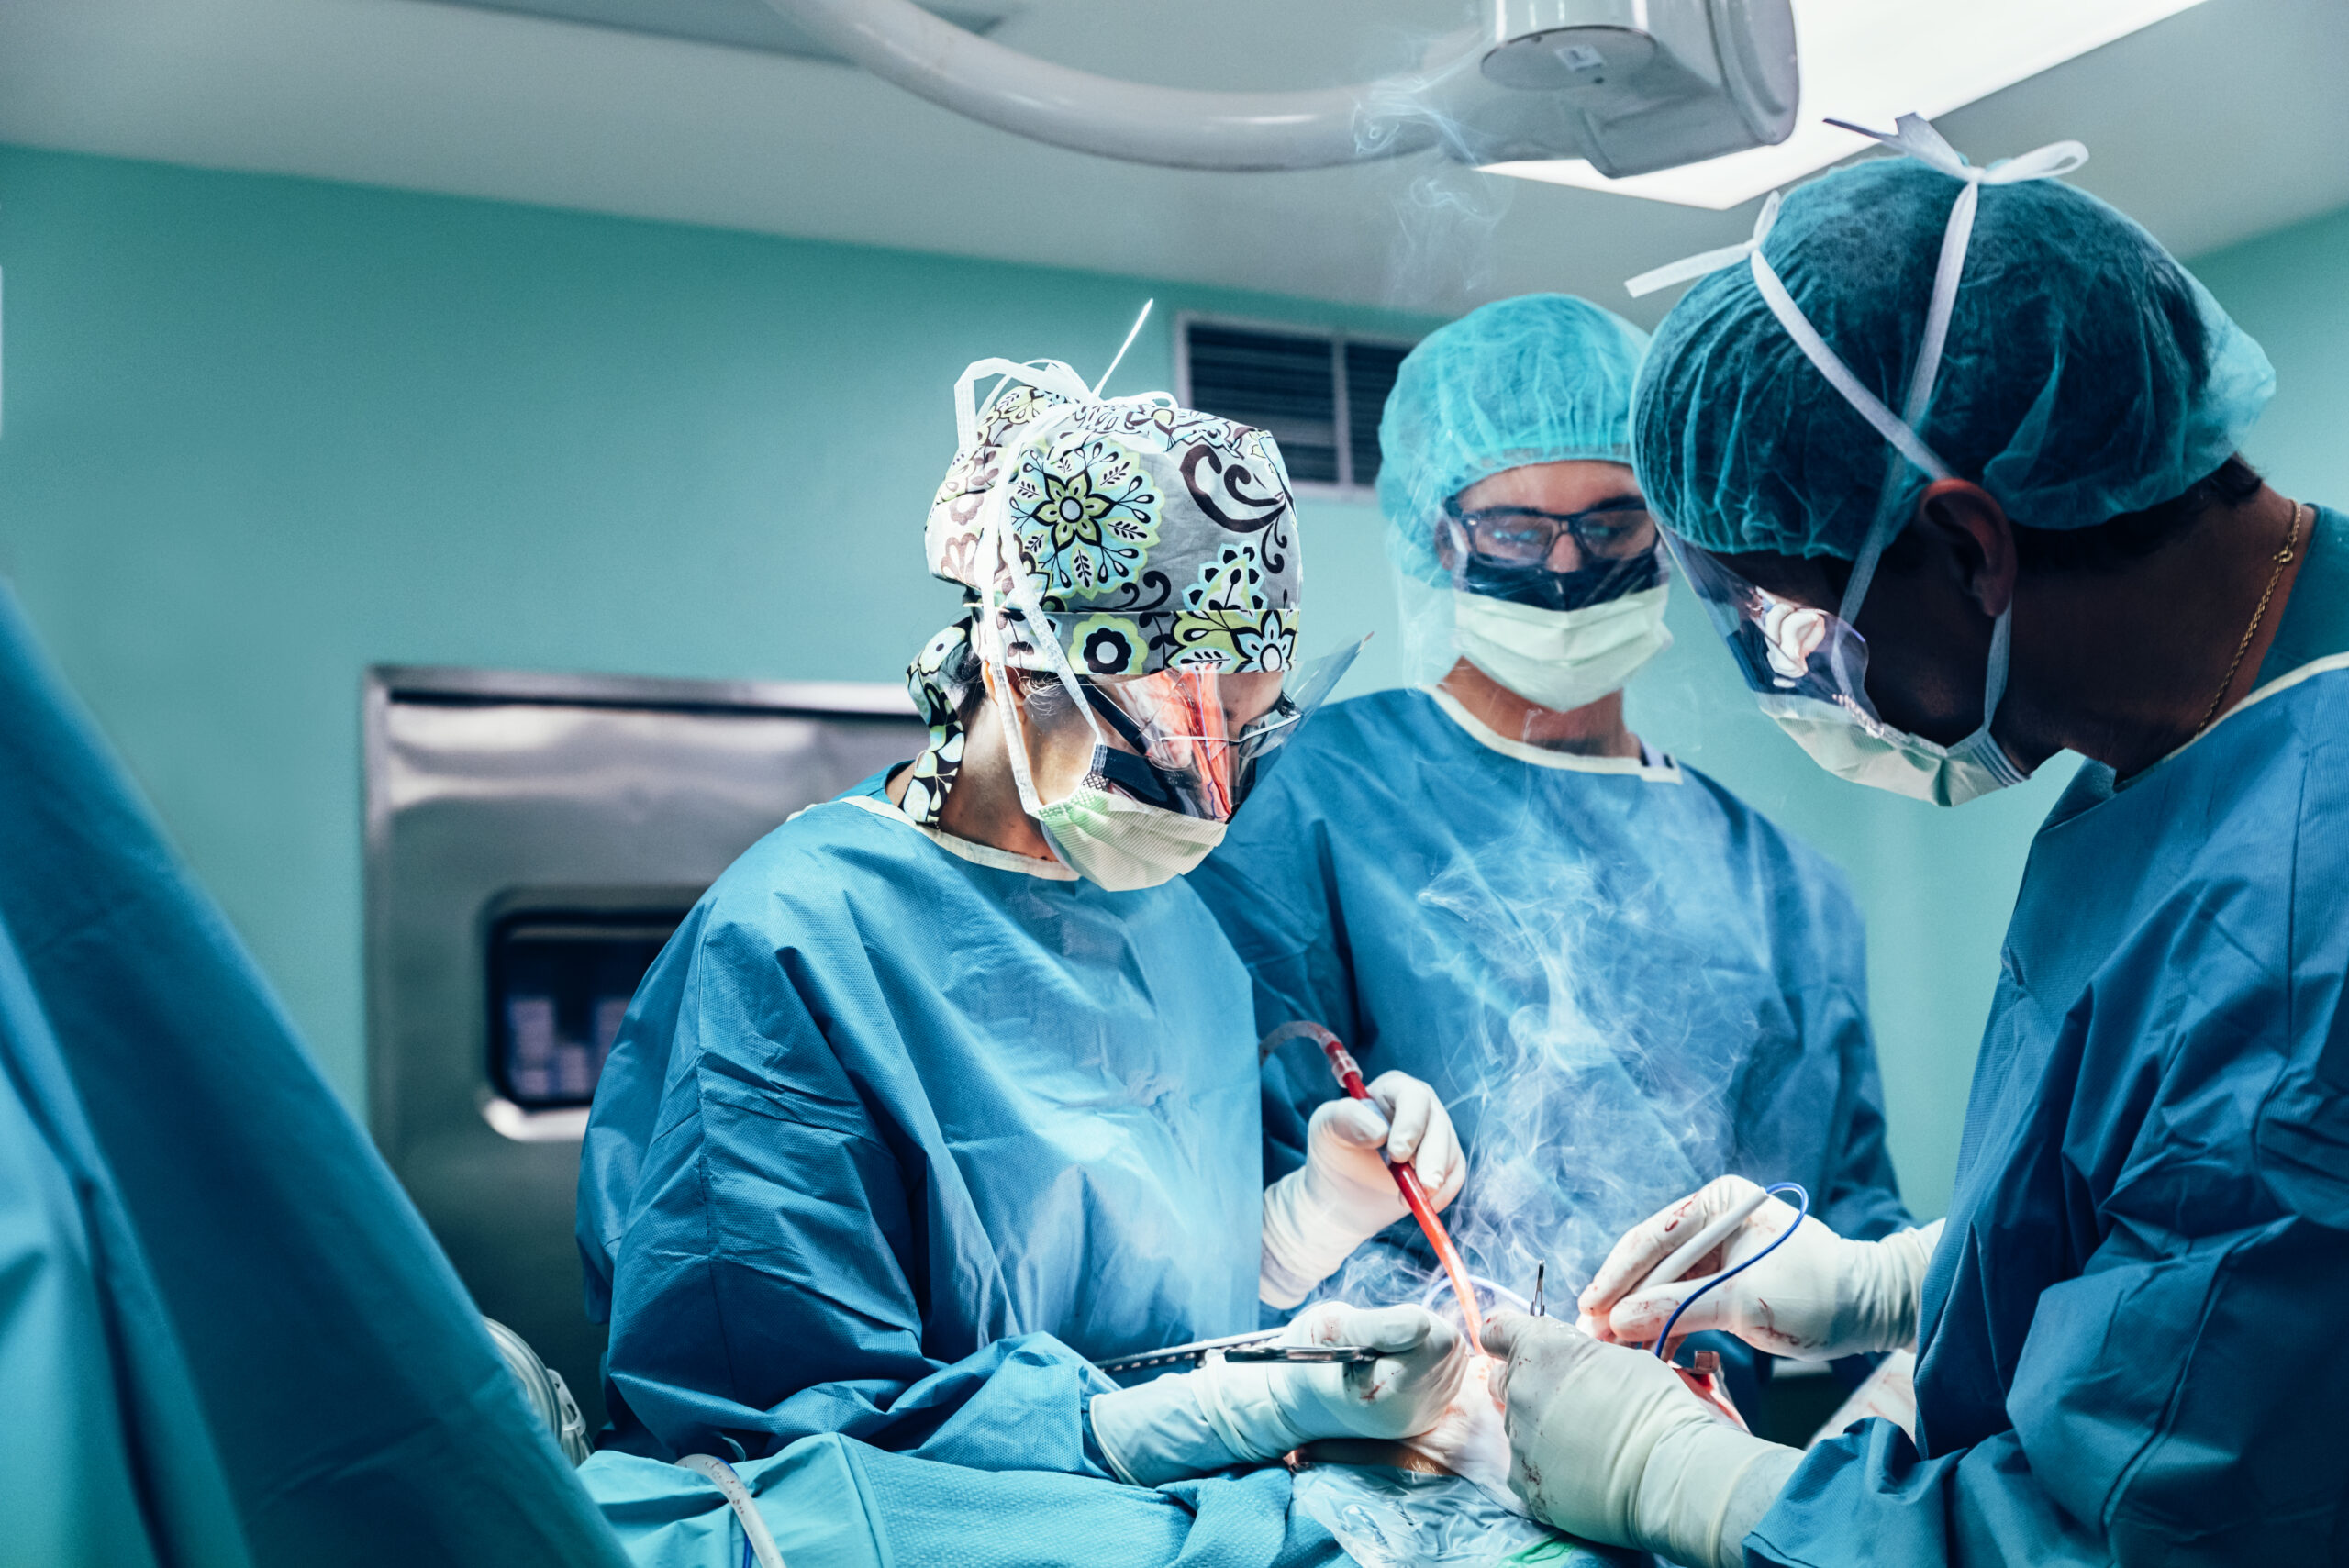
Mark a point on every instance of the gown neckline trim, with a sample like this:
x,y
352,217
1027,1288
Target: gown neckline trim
x,y
1665,771
2275,687
977,854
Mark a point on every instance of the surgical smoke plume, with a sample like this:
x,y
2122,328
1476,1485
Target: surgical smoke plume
x,y
1599,1070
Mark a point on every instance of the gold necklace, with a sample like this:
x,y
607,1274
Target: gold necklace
x,y
2283,558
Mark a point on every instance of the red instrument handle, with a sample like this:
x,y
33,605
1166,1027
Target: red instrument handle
x,y
1415,1196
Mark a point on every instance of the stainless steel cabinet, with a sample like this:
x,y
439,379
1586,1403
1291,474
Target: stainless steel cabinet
x,y
532,840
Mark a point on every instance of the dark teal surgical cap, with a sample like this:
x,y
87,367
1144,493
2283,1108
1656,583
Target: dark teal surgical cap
x,y
2086,373
1541,378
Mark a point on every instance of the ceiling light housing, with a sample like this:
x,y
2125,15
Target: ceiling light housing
x,y
1870,61
1635,86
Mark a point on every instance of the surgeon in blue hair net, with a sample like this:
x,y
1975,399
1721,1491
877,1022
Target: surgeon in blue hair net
x,y
1953,455
1623,980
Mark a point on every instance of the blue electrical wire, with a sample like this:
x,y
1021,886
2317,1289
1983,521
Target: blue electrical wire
x,y
1802,1201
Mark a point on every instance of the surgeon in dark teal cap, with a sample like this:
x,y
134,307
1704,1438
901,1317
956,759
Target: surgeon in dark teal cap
x,y
1952,457
1623,980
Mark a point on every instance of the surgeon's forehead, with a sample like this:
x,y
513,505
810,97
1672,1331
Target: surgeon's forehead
x,y
1568,486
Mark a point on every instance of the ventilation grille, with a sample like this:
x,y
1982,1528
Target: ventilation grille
x,y
1318,394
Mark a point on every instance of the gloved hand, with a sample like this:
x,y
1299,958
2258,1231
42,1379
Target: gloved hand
x,y
1816,1298
1229,1413
1608,1443
1467,1440
1314,1217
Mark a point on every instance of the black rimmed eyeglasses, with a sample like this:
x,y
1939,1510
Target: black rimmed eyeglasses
x,y
1618,529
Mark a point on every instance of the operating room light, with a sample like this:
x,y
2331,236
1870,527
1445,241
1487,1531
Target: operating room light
x,y
1871,61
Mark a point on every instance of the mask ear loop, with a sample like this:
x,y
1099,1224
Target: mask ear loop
x,y
1915,135
1917,139
1956,238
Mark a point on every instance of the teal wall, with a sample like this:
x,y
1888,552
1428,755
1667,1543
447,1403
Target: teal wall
x,y
2290,290
261,433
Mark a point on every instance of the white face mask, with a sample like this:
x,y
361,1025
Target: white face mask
x,y
1894,759
1560,659
1109,837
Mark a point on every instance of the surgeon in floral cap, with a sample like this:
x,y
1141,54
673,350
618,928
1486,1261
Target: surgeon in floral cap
x,y
946,1090
1149,539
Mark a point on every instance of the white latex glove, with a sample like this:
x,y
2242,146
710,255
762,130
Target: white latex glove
x,y
1816,1298
1315,1216
1228,1413
1606,1442
1468,1438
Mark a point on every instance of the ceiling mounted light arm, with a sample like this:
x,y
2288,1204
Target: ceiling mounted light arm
x,y
1632,85
1174,126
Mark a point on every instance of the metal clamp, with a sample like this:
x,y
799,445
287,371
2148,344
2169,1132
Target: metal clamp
x,y
1194,1354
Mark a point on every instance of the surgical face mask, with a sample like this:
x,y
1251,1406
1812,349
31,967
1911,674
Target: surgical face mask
x,y
1807,668
1124,821
1111,839
1885,758
1560,659
1139,776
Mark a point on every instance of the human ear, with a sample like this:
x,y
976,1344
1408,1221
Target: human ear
x,y
1968,522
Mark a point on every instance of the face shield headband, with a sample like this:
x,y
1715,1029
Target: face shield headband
x,y
1809,666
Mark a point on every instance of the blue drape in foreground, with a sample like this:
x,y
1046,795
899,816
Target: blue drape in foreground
x,y
957,1497
225,1338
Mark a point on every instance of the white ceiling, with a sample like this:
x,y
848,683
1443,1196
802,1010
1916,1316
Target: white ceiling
x,y
2221,123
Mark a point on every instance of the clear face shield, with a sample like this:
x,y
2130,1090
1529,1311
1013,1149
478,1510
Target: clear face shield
x,y
1132,779
1808,668
1784,649
1187,741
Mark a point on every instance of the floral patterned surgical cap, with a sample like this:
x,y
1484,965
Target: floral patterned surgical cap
x,y
1149,536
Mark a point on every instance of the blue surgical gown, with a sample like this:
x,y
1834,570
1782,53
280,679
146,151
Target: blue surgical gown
x,y
1621,981
884,1104
2130,1347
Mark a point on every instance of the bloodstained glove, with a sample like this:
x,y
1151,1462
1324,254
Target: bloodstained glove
x,y
1605,1442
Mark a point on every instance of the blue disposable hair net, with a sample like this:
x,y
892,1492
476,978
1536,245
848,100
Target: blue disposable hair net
x,y
1541,378
2086,374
